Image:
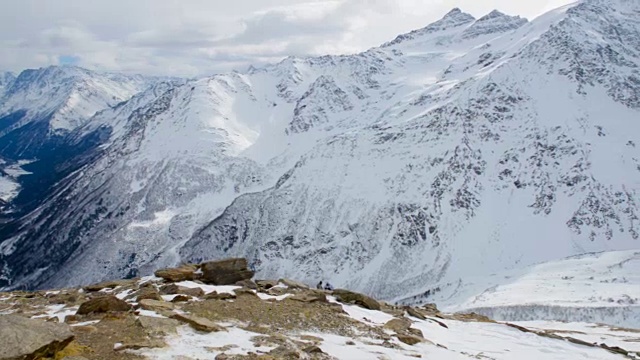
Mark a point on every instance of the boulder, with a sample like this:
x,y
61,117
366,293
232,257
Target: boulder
x,y
350,297
249,284
112,284
309,296
149,293
225,272
415,313
409,339
416,332
182,273
244,291
181,298
313,349
24,338
221,296
198,323
103,304
154,305
266,284
293,284
398,325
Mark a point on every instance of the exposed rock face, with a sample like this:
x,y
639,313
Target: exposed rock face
x,y
103,304
22,338
226,272
351,297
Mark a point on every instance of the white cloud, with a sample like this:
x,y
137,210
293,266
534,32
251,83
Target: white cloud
x,y
197,37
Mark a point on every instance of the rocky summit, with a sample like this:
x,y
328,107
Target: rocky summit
x,y
269,319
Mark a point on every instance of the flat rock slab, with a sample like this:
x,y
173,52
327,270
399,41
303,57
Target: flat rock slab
x,y
24,338
155,305
198,323
182,273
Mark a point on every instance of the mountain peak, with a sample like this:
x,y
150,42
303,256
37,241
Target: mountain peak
x,y
492,15
494,22
452,19
453,12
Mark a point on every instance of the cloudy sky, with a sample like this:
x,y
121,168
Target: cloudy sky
x,y
199,37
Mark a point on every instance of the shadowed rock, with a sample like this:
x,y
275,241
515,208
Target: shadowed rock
x,y
350,297
226,272
103,304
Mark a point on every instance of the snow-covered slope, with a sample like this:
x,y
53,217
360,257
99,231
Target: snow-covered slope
x,y
594,288
469,147
68,95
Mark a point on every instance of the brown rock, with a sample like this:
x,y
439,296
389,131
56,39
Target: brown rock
x,y
182,273
309,296
249,284
283,352
147,343
112,284
244,291
431,309
198,323
154,305
313,350
225,272
416,332
181,298
158,326
145,293
222,296
103,304
415,313
398,324
266,284
293,284
171,289
23,338
350,297
409,339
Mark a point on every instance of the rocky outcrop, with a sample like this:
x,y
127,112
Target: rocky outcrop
x,y
351,297
225,272
182,273
103,304
23,338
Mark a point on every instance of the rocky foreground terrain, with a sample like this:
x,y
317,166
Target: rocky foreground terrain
x,y
215,310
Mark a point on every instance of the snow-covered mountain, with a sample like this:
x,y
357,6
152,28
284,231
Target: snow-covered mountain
x,y
468,147
6,79
58,99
